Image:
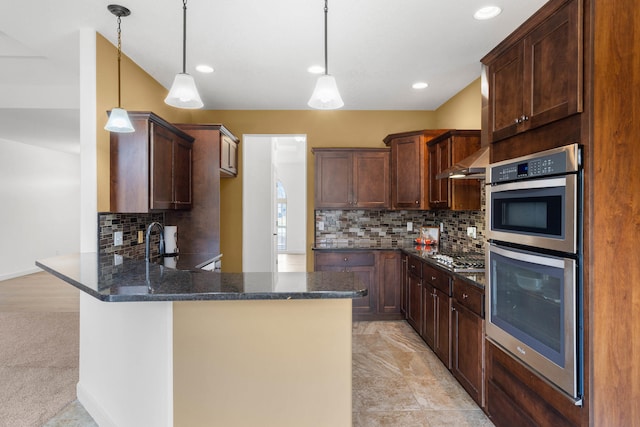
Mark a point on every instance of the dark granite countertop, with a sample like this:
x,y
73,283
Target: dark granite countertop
x,y
423,252
133,280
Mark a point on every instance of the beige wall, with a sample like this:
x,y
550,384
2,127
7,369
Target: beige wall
x,y
339,128
463,110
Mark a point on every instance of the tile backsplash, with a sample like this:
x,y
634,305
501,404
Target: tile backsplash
x,y
388,229
129,224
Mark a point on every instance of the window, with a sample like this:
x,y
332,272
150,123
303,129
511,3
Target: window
x,y
281,212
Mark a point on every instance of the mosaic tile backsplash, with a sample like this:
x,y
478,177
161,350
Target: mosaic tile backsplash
x,y
388,229
129,224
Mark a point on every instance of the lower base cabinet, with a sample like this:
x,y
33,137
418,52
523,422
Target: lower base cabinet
x,y
380,273
448,313
517,397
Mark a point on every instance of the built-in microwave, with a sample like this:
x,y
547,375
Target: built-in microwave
x,y
534,200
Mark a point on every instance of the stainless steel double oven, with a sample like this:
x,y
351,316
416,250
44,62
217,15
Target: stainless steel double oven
x,y
534,263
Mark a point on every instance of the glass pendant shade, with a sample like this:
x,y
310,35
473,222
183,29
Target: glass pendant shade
x,y
183,93
326,96
119,121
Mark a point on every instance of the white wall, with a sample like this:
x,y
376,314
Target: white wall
x,y
40,205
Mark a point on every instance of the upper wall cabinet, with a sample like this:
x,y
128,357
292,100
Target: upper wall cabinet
x,y
151,167
409,168
351,178
536,79
228,153
445,151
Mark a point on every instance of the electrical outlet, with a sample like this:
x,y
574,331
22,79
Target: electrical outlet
x,y
320,225
117,238
409,226
117,259
442,227
471,232
140,236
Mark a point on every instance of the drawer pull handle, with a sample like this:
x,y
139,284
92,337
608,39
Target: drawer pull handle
x,y
433,278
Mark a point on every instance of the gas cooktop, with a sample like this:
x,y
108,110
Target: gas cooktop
x,y
460,263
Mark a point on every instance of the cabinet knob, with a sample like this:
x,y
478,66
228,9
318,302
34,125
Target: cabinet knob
x,y
524,118
417,202
465,296
453,309
346,259
517,120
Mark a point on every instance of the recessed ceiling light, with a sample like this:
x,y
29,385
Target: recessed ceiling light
x,y
204,68
316,69
487,12
420,85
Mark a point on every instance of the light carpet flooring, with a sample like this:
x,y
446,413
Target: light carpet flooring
x,y
397,380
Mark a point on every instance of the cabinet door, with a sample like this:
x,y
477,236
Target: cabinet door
x,y
333,179
414,303
506,92
439,160
404,289
429,315
407,173
443,327
468,350
553,61
371,179
162,141
182,159
228,157
389,282
367,304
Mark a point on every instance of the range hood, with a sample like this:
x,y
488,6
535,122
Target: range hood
x,y
472,167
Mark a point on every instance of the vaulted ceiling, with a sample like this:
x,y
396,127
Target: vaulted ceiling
x,y
260,51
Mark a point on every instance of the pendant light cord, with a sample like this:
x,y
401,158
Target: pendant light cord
x,y
119,58
184,36
326,50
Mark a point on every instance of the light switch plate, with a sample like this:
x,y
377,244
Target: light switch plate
x,y
409,226
117,238
471,232
320,225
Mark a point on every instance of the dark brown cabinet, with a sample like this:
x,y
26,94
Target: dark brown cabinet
x,y
362,264
536,79
228,153
436,312
445,151
414,294
404,290
352,178
151,167
389,282
381,273
409,168
467,336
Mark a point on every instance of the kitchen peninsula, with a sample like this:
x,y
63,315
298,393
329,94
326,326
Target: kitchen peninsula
x,y
165,347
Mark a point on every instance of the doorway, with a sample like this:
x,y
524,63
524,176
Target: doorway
x,y
274,203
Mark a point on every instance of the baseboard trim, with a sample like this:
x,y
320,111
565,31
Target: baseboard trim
x,y
94,408
19,273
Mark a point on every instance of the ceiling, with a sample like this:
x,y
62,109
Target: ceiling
x,y
260,51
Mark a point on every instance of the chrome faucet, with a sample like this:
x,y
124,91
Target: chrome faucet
x,y
146,242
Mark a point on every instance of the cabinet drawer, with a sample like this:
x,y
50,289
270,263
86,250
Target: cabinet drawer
x,y
350,259
469,296
414,266
438,278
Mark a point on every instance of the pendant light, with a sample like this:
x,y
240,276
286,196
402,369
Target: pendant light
x,y
183,92
326,96
119,118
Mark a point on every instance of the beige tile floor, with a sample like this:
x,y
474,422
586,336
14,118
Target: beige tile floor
x,y
399,382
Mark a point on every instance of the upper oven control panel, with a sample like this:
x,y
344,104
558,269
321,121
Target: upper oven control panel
x,y
551,162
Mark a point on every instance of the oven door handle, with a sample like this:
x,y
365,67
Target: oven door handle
x,y
534,183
